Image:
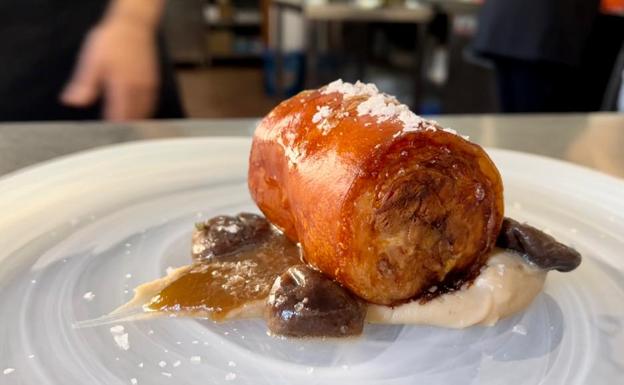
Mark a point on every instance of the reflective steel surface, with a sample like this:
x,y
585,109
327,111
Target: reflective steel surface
x,y
593,140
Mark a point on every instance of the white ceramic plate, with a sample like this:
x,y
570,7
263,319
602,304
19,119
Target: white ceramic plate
x,y
77,234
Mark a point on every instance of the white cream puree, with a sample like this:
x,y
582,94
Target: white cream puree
x,y
506,285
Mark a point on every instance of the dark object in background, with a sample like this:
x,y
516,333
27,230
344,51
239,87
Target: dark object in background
x,y
537,247
293,67
537,48
39,46
305,303
536,86
598,63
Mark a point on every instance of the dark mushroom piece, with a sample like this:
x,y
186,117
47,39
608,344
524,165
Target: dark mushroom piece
x,y
223,235
305,303
537,247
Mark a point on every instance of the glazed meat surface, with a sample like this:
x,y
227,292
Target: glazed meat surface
x,y
383,202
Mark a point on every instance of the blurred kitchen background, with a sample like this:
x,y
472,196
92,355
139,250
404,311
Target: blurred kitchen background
x,y
237,58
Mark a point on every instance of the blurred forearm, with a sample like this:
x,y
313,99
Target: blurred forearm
x,y
145,12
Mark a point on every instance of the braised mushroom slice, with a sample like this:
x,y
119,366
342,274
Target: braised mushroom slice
x,y
537,247
305,303
225,234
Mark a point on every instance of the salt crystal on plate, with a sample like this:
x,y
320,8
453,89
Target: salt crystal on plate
x,y
162,364
122,341
230,376
134,381
519,329
8,371
89,296
195,359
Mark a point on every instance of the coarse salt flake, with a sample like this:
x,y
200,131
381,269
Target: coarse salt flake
x,y
381,106
230,376
519,329
89,296
122,341
321,114
8,371
350,90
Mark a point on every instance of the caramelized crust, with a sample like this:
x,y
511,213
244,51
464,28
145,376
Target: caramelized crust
x,y
387,213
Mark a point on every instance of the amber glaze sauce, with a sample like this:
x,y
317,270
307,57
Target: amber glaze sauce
x,y
221,284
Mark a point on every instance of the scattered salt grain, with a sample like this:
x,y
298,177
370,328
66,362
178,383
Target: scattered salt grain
x,y
162,364
128,276
89,296
232,229
321,114
134,381
177,363
519,329
231,364
121,338
195,359
230,376
166,374
350,90
8,371
379,105
122,341
31,356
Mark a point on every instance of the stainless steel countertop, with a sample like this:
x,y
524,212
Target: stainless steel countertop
x,y
593,140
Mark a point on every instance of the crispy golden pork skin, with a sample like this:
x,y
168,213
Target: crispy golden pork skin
x,y
386,203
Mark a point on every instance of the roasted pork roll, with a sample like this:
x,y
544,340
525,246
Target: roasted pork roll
x,y
384,202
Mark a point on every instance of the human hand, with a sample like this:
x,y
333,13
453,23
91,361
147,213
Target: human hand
x,y
118,61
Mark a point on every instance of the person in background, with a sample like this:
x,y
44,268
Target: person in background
x,y
87,59
537,49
